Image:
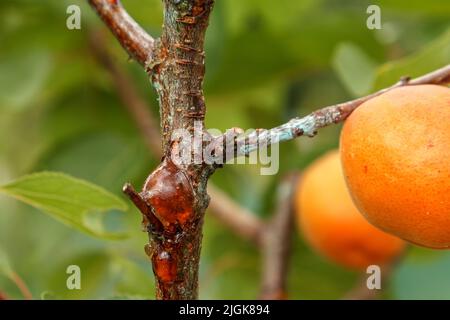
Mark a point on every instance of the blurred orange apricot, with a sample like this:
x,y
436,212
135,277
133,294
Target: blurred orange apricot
x,y
331,223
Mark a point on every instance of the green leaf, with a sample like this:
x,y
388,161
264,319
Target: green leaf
x,y
355,69
433,56
108,163
71,201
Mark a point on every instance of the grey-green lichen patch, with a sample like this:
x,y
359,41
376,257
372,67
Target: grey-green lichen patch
x,y
307,126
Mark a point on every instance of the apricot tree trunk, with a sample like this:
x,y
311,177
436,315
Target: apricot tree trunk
x,y
177,192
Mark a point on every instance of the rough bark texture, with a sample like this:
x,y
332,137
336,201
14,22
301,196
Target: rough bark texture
x,y
131,36
174,197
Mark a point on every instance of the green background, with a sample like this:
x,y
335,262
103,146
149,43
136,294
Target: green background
x,y
267,61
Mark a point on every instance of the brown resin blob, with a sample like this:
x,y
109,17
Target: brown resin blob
x,y
169,192
165,266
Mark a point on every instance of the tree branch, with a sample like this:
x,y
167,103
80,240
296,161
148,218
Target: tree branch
x,y
21,285
308,125
3,296
239,219
134,39
131,99
276,244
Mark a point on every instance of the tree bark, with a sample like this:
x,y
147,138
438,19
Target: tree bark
x,y
131,36
174,197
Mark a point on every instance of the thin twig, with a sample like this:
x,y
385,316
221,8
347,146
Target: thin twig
x,y
239,219
23,288
3,296
132,100
308,125
134,39
277,243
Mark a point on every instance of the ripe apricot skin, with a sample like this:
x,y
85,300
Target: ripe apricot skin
x,y
332,225
395,152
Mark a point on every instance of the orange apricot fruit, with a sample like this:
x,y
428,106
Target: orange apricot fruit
x,y
395,152
331,223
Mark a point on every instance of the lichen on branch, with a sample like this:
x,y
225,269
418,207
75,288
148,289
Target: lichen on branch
x,y
308,125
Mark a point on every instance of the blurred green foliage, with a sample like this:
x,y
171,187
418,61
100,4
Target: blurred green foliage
x,y
267,61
